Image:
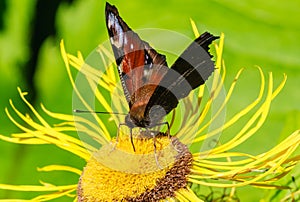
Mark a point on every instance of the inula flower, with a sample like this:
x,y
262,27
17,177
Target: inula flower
x,y
161,167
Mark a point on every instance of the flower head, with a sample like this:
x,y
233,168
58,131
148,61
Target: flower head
x,y
160,167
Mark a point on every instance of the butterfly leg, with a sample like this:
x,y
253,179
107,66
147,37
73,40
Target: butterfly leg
x,y
168,132
155,153
117,137
131,140
169,135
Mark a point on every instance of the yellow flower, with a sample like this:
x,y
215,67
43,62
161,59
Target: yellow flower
x,y
167,169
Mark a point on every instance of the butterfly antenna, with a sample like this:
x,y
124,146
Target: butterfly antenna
x,y
96,112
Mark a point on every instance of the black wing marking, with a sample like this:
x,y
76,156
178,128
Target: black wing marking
x,y
189,71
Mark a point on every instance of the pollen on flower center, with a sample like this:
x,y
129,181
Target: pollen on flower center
x,y
154,171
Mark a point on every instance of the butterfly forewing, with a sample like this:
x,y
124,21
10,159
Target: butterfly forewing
x,y
138,63
189,71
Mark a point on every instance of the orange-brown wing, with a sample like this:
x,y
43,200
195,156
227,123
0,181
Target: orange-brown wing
x,y
138,63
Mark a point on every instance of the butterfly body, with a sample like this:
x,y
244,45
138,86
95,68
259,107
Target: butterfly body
x,y
140,100
151,88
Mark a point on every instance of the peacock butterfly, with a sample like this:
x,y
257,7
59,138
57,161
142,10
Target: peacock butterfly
x,y
151,88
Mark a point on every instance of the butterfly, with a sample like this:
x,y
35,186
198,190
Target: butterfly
x,y
151,88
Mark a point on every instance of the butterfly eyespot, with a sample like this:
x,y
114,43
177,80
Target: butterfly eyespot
x,y
110,20
116,31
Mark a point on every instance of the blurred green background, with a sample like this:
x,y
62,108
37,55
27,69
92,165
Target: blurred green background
x,y
264,33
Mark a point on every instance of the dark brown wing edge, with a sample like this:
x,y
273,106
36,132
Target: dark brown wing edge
x,y
189,71
112,12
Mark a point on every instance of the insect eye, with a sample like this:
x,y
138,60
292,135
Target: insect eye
x,y
156,113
